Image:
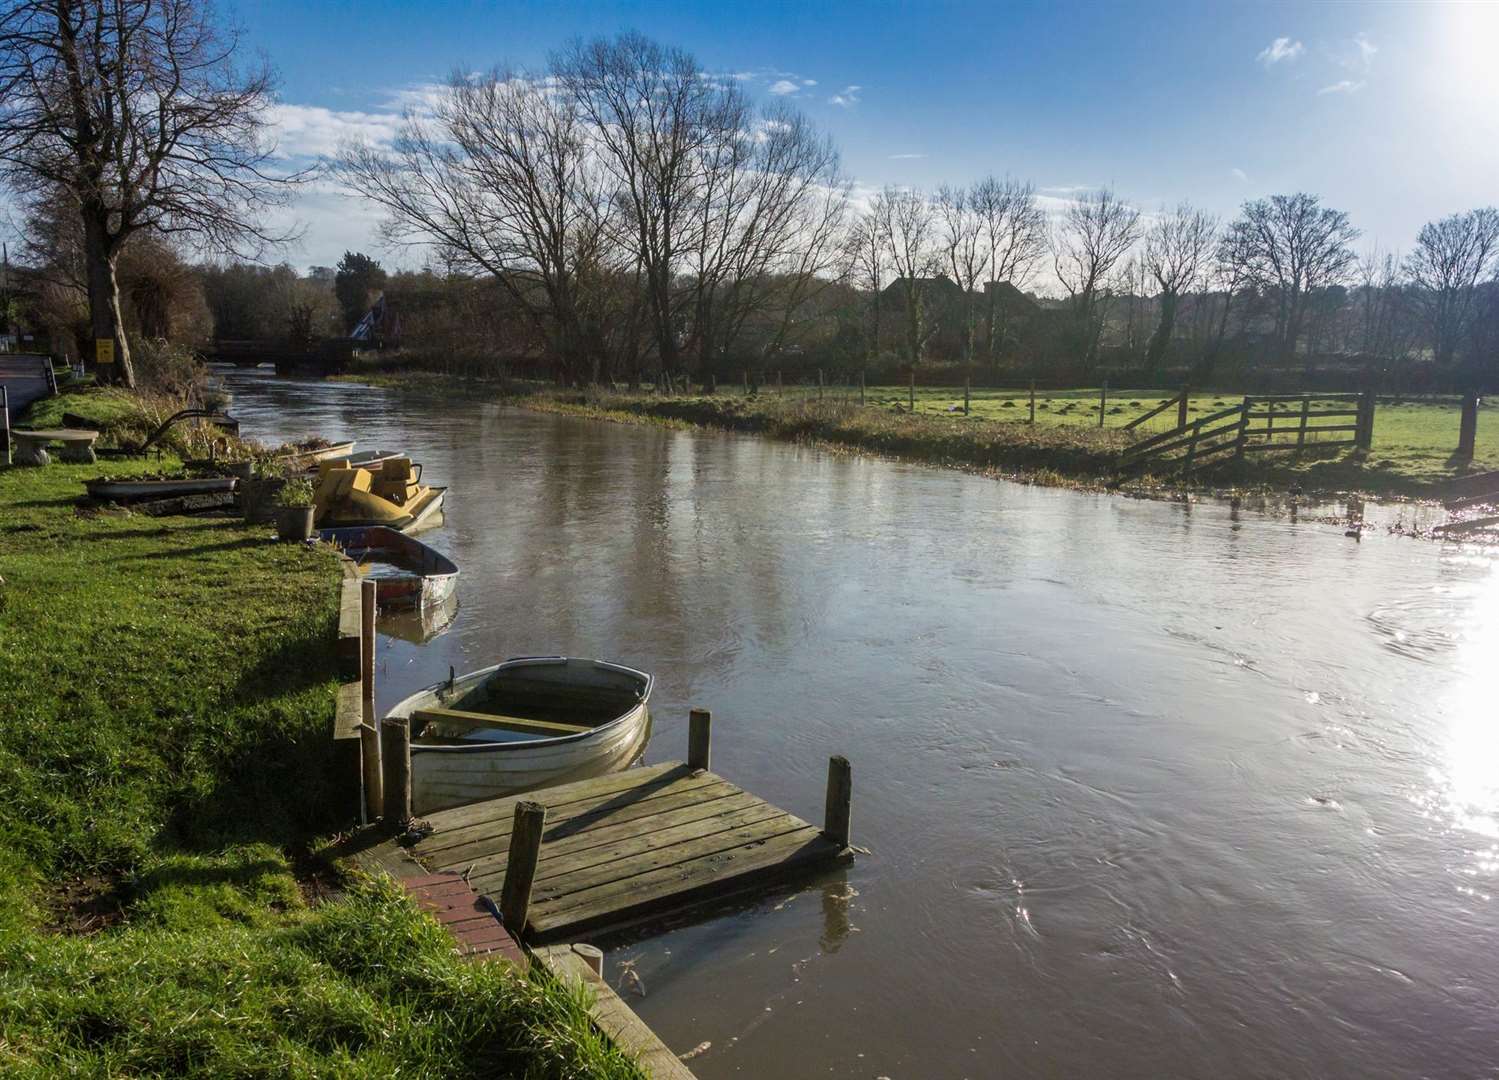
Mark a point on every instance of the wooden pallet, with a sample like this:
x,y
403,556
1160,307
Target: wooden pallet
x,y
624,847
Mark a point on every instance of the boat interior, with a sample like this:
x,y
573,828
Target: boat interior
x,y
522,704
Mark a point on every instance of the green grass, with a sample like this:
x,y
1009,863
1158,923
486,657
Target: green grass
x,y
167,779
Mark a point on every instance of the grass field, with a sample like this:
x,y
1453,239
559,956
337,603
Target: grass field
x,y
165,762
1415,437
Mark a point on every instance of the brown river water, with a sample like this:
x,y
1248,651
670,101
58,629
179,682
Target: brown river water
x,y
1148,789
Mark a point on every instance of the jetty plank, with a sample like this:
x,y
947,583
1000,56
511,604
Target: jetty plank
x,y
612,1016
624,847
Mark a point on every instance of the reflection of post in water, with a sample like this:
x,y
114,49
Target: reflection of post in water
x,y
837,895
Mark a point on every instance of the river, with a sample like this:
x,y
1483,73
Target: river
x,y
1149,789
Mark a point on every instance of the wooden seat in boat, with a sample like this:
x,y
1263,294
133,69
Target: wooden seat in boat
x,y
509,723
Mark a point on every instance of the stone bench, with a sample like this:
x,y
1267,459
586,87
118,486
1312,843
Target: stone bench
x,y
77,445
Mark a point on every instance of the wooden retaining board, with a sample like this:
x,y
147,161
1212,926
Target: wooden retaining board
x,y
623,847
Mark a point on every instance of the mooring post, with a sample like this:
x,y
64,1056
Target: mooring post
x,y
395,749
819,384
780,387
1033,401
912,395
593,956
1181,406
967,392
699,739
369,728
835,820
746,382
1467,429
520,865
1103,401
861,386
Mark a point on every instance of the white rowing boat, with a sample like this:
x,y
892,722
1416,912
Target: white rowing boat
x,y
527,723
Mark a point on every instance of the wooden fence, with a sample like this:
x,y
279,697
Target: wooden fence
x,y
1282,422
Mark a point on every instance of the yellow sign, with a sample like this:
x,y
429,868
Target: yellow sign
x,y
104,351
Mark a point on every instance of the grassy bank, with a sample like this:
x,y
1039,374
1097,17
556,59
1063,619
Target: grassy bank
x,y
164,754
1410,457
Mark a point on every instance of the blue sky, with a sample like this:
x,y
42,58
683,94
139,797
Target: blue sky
x,y
1389,111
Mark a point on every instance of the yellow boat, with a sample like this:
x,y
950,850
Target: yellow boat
x,y
392,495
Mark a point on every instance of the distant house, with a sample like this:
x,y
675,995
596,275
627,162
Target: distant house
x,y
943,312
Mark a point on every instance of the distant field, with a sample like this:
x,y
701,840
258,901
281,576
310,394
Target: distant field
x,y
1416,437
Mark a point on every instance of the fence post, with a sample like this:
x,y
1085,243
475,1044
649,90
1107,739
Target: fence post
x,y
369,727
746,382
1181,406
520,865
861,386
1191,453
819,384
912,395
1306,412
699,739
395,747
1243,436
1103,401
967,392
1033,401
5,423
1467,431
780,388
1365,431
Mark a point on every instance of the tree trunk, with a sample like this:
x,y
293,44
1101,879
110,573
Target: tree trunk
x,y
1160,341
104,305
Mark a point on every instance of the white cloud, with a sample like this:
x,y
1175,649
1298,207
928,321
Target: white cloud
x,y
783,86
809,82
1345,86
1282,48
848,97
1240,175
313,131
1366,48
906,157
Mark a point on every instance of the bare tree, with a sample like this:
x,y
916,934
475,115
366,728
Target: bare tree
x,y
502,180
1015,237
1292,246
136,111
654,117
1176,248
1095,232
906,226
961,237
868,260
1451,258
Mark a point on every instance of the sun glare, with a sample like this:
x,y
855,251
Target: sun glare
x,y
1468,67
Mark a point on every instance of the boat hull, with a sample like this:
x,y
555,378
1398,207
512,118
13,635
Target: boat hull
x,y
445,776
430,576
119,490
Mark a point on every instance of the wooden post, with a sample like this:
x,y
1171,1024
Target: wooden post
x,y
51,376
1033,401
1181,407
746,382
1365,433
369,728
861,386
699,739
1306,412
967,393
912,395
1243,436
780,388
835,820
1467,430
593,956
5,423
1191,448
395,748
520,865
819,384
1103,401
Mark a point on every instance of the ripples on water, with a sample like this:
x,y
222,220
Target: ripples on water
x,y
1149,789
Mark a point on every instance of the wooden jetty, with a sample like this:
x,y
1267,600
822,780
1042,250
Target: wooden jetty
x,y
602,853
